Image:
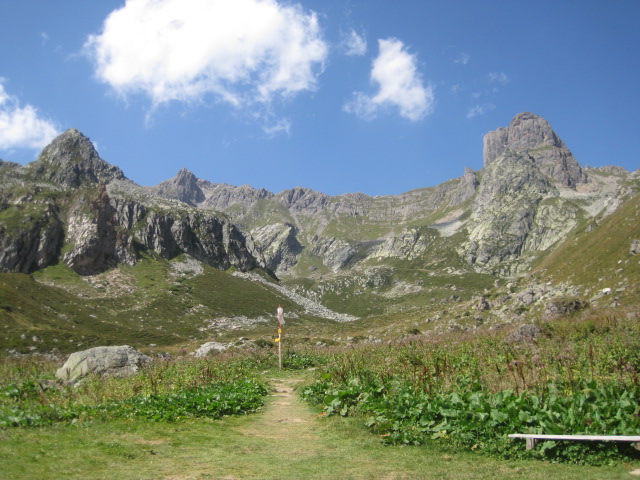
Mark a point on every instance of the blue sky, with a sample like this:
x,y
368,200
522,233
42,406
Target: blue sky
x,y
371,96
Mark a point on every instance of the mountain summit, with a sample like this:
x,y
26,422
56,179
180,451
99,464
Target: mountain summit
x,y
531,134
71,160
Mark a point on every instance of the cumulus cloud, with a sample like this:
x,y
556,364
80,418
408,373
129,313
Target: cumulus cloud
x,y
399,83
22,127
354,44
240,51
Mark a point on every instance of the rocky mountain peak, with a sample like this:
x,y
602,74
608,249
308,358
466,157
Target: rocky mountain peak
x,y
531,134
303,199
71,160
184,187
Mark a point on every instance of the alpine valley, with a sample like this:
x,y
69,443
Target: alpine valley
x,y
90,258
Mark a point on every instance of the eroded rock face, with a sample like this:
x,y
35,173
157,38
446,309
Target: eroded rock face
x,y
29,245
279,245
505,209
91,232
531,134
118,361
410,244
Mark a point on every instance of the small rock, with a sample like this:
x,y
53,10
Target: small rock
x,y
524,333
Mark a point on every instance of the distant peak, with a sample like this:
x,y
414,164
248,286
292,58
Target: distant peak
x,y
71,159
532,135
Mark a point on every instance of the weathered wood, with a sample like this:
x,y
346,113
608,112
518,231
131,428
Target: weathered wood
x,y
533,438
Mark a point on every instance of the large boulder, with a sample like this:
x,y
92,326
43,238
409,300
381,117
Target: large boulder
x,y
116,361
209,347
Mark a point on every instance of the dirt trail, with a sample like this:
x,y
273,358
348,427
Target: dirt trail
x,y
285,416
289,440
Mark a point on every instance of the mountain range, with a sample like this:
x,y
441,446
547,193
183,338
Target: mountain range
x,y
88,256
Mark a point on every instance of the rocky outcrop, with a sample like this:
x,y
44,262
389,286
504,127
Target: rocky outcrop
x,y
200,234
91,234
222,196
279,245
184,187
526,333
118,361
504,210
335,253
410,244
31,235
303,200
533,135
71,161
209,347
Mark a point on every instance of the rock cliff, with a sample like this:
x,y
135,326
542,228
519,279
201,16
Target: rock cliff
x,y
530,194
109,220
533,134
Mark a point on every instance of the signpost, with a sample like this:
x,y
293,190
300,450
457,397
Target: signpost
x,y
279,339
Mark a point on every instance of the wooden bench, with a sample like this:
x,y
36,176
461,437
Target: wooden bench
x,y
533,438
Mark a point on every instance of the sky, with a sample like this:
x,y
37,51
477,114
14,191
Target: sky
x,y
341,96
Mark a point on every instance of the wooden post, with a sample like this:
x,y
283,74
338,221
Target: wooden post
x,y
279,339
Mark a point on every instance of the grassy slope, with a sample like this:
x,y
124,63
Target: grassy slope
x,y
139,306
600,258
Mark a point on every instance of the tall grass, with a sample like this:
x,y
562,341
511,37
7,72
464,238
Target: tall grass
x,y
165,390
579,377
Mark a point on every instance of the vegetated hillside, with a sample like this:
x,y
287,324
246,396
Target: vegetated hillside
x,y
155,302
603,256
91,258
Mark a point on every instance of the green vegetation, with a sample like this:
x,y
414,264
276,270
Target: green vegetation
x,y
473,391
176,419
149,303
165,391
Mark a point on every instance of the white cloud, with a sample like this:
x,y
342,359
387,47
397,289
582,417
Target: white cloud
x,y
478,110
354,44
240,51
400,85
500,78
462,59
22,127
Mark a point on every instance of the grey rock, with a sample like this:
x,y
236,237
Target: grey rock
x,y
278,244
33,244
183,187
71,160
504,210
531,134
635,247
118,361
482,304
564,305
209,347
527,298
524,334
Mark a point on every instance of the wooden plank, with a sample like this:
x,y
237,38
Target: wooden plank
x,y
594,438
533,438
